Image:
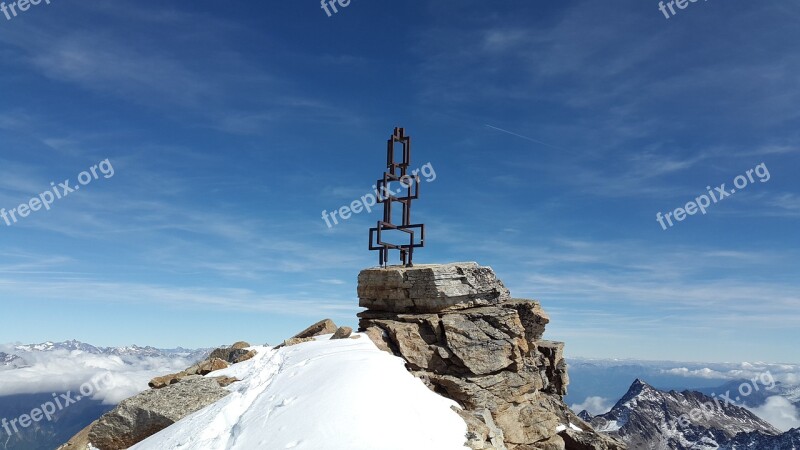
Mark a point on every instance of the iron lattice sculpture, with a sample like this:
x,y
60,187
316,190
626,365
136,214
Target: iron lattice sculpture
x,y
397,172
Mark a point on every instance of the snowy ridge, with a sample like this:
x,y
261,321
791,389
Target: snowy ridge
x,y
10,361
649,418
132,350
329,394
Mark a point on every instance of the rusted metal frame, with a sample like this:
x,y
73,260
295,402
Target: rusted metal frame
x,y
383,187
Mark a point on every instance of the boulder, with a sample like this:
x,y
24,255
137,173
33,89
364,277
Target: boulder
x,y
342,333
325,326
234,354
244,357
143,415
166,380
429,288
211,365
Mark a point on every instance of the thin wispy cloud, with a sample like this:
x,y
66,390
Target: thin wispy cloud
x,y
556,138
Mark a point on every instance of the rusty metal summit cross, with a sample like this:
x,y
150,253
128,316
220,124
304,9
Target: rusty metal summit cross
x,y
397,172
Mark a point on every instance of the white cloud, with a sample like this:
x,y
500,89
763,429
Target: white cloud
x,y
701,373
765,374
62,371
780,412
595,405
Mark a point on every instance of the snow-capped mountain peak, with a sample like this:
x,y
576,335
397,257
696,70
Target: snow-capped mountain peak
x,y
12,361
130,350
646,416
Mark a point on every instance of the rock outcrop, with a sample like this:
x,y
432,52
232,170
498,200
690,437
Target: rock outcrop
x,y
459,330
171,398
325,326
646,417
342,333
218,359
429,288
139,417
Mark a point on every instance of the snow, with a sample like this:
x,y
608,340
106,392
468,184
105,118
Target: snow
x,y
572,426
609,427
337,395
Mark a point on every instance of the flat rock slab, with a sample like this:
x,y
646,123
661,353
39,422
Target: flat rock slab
x,y
430,288
144,415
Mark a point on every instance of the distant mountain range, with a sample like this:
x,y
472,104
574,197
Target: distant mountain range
x,y
37,358
647,418
12,361
17,359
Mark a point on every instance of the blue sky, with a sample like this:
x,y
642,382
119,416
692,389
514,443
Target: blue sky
x,y
557,131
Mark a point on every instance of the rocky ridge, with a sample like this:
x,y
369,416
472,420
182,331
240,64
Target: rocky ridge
x,y
134,351
175,396
10,360
460,331
646,417
171,398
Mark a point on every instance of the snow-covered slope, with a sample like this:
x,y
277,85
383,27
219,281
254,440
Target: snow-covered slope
x,y
327,394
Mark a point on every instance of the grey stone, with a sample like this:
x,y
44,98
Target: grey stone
x,y
244,357
233,354
413,342
554,366
294,341
485,343
429,288
325,326
211,365
143,415
342,333
379,337
532,316
589,440
460,332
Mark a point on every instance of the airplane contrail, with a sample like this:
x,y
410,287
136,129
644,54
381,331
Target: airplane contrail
x,y
523,137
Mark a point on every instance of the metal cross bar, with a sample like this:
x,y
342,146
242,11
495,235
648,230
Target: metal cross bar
x,y
397,172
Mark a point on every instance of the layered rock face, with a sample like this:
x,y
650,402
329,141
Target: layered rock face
x,y
460,331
